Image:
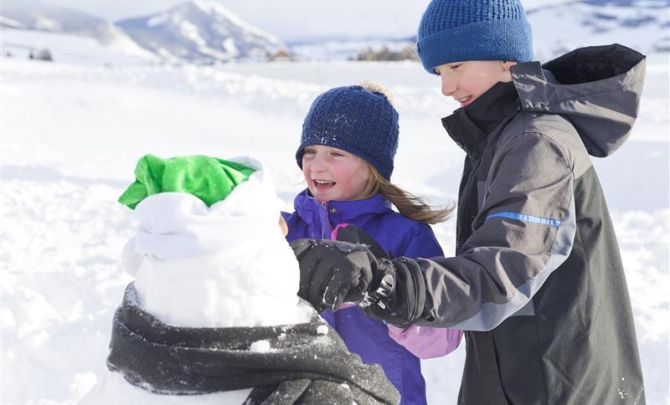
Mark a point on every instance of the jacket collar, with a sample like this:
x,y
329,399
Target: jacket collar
x,y
470,126
305,205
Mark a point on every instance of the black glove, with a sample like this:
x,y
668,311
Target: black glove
x,y
398,298
405,302
333,272
386,280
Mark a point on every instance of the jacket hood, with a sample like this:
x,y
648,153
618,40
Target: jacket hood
x,y
596,88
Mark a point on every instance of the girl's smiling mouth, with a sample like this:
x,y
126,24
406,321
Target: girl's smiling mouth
x,y
323,185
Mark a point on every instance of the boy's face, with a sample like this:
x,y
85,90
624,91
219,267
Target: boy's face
x,y
466,81
332,174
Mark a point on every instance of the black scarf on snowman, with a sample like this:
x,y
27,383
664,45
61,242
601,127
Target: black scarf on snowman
x,y
305,363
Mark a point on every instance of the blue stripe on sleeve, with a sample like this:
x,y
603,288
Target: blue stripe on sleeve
x,y
525,218
491,314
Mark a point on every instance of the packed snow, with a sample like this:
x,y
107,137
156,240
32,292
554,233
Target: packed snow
x,y
72,133
197,266
216,266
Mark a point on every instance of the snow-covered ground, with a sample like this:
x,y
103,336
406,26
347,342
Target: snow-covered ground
x,y
70,135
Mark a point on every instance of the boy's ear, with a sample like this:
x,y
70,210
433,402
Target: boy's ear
x,y
507,65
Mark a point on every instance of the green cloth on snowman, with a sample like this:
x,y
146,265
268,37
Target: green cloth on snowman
x,y
208,178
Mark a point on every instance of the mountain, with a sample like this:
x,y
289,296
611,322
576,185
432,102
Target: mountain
x,y
562,26
30,25
558,27
38,16
203,31
200,31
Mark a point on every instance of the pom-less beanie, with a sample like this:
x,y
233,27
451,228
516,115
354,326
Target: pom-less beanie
x,y
355,119
208,178
469,30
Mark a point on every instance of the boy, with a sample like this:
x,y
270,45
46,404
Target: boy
x,y
537,281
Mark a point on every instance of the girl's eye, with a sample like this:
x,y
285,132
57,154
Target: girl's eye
x,y
336,154
454,67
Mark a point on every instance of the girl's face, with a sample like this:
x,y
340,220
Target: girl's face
x,y
466,81
332,174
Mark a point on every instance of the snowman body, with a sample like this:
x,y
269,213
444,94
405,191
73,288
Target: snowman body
x,y
226,265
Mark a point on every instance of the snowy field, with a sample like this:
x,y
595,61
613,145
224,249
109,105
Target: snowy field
x,y
70,135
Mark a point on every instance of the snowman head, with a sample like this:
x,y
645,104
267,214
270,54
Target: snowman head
x,y
223,257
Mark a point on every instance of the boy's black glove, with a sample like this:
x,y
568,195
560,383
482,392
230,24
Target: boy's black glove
x,y
386,285
332,272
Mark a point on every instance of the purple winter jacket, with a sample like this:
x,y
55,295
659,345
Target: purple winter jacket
x,y
398,236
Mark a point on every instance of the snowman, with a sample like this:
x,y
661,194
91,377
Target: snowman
x,y
212,316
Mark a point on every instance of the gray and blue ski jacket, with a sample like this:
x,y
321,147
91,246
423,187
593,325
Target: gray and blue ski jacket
x,y
537,280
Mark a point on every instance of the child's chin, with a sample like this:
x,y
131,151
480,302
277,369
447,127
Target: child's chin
x,y
321,197
323,193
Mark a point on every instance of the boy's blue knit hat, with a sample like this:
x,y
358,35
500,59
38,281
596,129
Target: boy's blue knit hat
x,y
359,120
466,30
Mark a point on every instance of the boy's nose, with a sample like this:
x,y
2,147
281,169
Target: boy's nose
x,y
448,85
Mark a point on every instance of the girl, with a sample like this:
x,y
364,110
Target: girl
x,y
348,143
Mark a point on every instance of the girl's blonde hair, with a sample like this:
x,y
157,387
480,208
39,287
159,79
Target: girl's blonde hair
x,y
408,204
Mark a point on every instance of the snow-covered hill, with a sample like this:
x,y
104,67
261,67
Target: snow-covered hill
x,y
558,26
204,31
196,31
28,26
38,16
562,26
200,31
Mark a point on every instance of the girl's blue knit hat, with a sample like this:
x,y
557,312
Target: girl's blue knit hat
x,y
466,30
358,119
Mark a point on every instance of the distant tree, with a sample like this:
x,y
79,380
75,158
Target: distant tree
x,y
43,54
281,55
385,54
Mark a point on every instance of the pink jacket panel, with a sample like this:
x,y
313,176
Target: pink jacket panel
x,y
427,343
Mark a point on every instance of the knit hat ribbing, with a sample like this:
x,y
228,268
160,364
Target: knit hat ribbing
x,y
466,30
355,119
